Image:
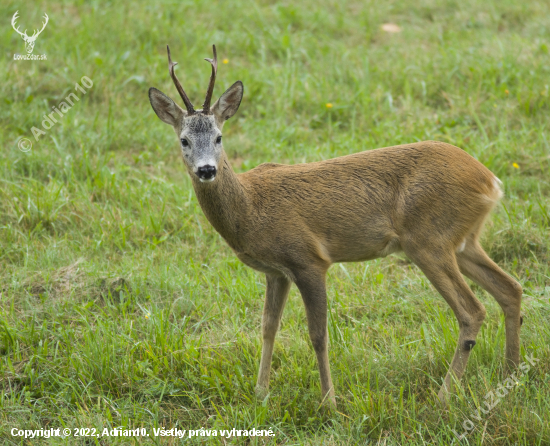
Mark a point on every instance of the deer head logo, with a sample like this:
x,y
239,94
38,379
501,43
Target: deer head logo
x,y
29,40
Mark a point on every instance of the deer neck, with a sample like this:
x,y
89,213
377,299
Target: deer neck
x,y
225,204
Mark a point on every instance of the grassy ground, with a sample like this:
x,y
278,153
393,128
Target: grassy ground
x,y
121,307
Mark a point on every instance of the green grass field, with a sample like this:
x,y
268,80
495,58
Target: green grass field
x,y
120,306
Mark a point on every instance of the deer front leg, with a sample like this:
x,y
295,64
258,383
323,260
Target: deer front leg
x,y
275,298
314,295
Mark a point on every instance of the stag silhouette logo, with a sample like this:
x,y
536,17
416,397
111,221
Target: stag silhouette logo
x,y
29,40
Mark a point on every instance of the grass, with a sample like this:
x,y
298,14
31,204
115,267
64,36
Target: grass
x,y
121,307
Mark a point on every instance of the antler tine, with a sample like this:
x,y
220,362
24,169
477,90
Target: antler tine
x,y
36,33
186,101
13,20
214,63
44,23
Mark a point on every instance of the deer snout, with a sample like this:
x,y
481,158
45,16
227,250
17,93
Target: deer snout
x,y
206,173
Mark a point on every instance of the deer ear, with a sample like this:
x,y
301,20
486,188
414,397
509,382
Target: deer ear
x,y
228,103
165,108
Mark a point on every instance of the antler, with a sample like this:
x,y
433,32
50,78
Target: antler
x,y
13,20
36,33
214,63
186,101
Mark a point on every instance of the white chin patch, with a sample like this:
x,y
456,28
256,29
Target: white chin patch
x,y
207,181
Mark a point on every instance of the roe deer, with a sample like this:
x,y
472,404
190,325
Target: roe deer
x,y
428,199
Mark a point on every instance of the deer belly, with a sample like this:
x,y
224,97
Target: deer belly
x,y
363,250
259,265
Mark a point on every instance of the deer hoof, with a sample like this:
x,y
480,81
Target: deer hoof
x,y
468,345
261,392
443,398
521,320
329,404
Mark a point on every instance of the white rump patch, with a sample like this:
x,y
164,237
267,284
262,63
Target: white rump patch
x,y
497,185
496,192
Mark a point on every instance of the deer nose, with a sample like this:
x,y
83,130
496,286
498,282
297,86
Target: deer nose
x,y
206,173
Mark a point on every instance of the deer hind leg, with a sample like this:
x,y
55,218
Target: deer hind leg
x,y
476,265
440,267
313,291
275,298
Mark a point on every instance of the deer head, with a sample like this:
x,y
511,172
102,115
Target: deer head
x,y
29,41
199,131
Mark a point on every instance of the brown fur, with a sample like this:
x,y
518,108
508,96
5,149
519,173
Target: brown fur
x,y
428,199
293,222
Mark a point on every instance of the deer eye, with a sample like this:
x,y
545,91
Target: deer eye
x,y
184,142
219,139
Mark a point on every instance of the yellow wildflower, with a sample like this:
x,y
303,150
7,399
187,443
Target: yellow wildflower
x,y
225,61
328,105
515,165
